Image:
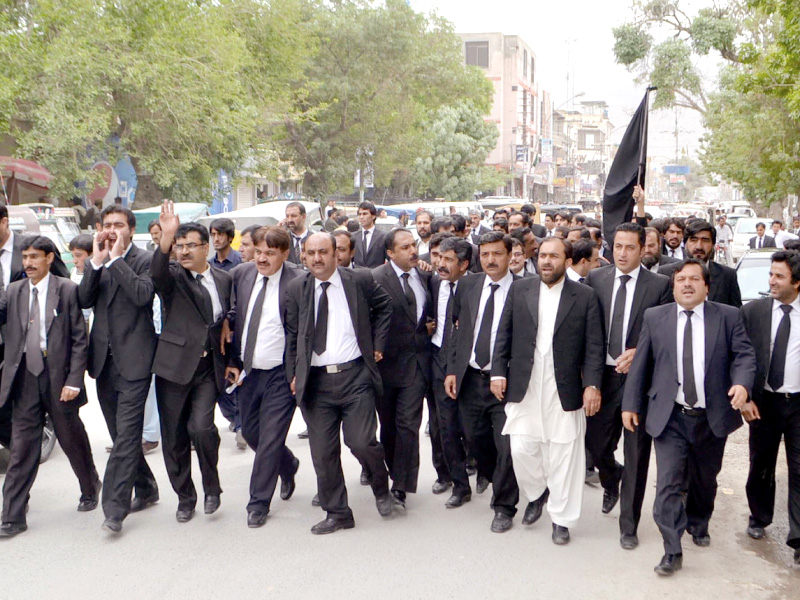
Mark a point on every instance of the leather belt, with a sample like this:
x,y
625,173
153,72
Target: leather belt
x,y
784,395
479,372
691,412
334,369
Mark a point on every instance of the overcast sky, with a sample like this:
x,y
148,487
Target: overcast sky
x,y
574,35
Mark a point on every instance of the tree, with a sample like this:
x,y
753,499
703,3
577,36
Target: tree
x,y
377,72
458,140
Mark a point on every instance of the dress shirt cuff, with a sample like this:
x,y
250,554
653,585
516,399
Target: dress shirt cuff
x,y
498,378
96,267
74,389
111,262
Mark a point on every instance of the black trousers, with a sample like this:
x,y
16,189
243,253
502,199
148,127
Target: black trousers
x,y
636,447
483,418
343,401
267,406
686,447
780,417
122,402
604,429
31,400
5,424
186,413
437,453
451,430
400,414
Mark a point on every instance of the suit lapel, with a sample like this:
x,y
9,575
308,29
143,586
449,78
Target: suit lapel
x,y
766,330
351,294
395,288
565,305
608,292
639,291
532,298
114,283
16,264
475,301
712,329
24,308
53,292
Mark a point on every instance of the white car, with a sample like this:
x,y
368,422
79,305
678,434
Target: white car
x,y
744,229
752,273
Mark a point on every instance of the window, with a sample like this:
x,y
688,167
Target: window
x,y
477,54
533,65
525,64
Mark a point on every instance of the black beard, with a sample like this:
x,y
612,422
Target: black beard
x,y
649,261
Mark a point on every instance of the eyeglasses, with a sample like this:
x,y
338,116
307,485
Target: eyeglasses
x,y
190,246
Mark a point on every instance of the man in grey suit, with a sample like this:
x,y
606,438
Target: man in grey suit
x,y
371,245
45,359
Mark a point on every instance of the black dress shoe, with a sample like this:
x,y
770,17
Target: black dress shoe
x,y
501,523
87,503
184,516
211,504
303,435
456,500
797,556
471,470
385,504
481,485
702,540
315,500
629,541
113,525
669,564
331,525
288,485
560,535
256,518
139,504
592,477
399,499
610,499
364,477
534,509
440,487
9,530
756,532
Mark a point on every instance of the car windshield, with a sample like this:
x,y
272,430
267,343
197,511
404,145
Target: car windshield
x,y
753,277
746,226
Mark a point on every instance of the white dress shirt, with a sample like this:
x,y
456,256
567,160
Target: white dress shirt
x,y
108,264
423,247
441,310
782,237
368,240
629,291
760,241
208,282
342,344
698,353
677,253
499,302
791,374
270,339
416,286
5,259
573,275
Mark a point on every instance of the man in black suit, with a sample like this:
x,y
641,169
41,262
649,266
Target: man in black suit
x,y
547,369
625,291
693,383
296,224
337,326
476,227
530,245
117,285
45,359
760,240
773,325
188,364
266,402
477,306
406,366
585,258
653,259
700,238
371,246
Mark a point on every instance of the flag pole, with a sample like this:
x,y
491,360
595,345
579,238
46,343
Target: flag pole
x,y
643,133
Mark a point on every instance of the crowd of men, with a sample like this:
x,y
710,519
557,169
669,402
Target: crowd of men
x,y
537,347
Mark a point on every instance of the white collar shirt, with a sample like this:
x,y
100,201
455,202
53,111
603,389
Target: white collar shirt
x,y
499,301
207,281
676,253
341,345
416,286
574,275
441,310
5,259
41,290
270,339
698,353
791,374
549,299
630,287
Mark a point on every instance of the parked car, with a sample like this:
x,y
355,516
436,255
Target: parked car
x,y
744,229
267,213
752,273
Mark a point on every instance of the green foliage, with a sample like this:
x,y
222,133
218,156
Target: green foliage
x,y
675,75
631,43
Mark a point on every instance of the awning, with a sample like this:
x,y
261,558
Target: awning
x,y
25,170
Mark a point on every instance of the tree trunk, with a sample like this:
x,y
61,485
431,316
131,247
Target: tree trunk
x,y
147,192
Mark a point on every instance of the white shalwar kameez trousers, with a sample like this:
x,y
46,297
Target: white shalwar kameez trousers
x,y
547,442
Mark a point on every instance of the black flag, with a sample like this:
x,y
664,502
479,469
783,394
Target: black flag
x,y
626,171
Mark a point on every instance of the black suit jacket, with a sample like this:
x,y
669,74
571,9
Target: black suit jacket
x,y
724,287
244,279
370,310
408,351
66,335
376,255
294,254
651,289
122,298
757,316
663,259
579,350
769,241
477,238
653,378
187,332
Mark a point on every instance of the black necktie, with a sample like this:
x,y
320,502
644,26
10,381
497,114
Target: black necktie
x,y
321,327
297,246
483,346
779,350
618,318
447,314
689,387
759,242
410,297
2,274
33,348
581,279
208,306
252,327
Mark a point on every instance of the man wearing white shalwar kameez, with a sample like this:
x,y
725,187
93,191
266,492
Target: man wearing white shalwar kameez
x,y
547,442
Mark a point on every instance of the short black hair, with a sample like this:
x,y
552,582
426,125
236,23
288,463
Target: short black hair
x,y
778,221
526,219
119,209
676,221
347,234
501,222
760,224
698,225
423,212
440,223
592,223
368,206
249,230
340,219
495,236
76,200
562,229
460,246
3,211
519,234
38,242
632,228
223,225
529,209
353,226
564,215
438,238
792,245
81,242
564,242
580,219
296,205
186,228
152,224
691,261
390,237
459,222
582,249
792,260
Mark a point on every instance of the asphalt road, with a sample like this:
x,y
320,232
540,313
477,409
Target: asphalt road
x,y
430,552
